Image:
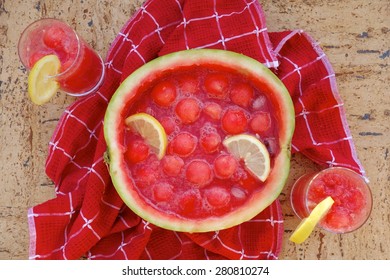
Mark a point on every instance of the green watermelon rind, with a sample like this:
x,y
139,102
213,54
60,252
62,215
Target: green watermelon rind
x,y
114,124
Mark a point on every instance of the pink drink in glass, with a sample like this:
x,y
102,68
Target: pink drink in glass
x,y
82,69
351,195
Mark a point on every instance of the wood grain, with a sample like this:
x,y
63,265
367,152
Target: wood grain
x,y
353,33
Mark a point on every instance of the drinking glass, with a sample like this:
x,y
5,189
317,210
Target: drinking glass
x,y
82,69
349,190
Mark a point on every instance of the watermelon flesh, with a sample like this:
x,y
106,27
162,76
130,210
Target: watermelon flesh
x,y
200,97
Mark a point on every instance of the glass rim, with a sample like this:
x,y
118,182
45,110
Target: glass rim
x,y
296,183
37,22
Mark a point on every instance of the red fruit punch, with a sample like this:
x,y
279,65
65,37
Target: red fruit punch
x,y
82,69
351,195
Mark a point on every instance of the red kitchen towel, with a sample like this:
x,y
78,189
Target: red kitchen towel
x,y
321,133
87,218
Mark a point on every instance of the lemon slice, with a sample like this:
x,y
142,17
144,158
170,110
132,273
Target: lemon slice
x,y
252,151
308,224
151,130
41,87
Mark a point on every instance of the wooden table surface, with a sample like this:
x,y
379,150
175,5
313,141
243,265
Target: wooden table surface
x,y
355,35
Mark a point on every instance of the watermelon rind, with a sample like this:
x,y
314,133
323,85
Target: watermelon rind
x,y
127,92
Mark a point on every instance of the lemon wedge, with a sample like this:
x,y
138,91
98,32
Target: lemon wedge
x,y
252,151
151,130
41,86
308,224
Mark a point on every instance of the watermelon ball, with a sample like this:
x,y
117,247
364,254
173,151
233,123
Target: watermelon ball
x,y
188,84
54,38
213,110
216,85
164,93
260,122
145,175
210,141
169,124
183,144
234,121
242,94
172,165
225,166
199,172
188,202
137,150
217,196
162,191
188,110
338,218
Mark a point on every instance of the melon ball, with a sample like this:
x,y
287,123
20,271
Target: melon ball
x,y
188,202
164,93
199,172
213,110
225,166
210,140
234,121
188,110
242,94
188,84
162,191
137,150
145,175
216,85
260,122
172,165
54,38
217,196
169,124
183,144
